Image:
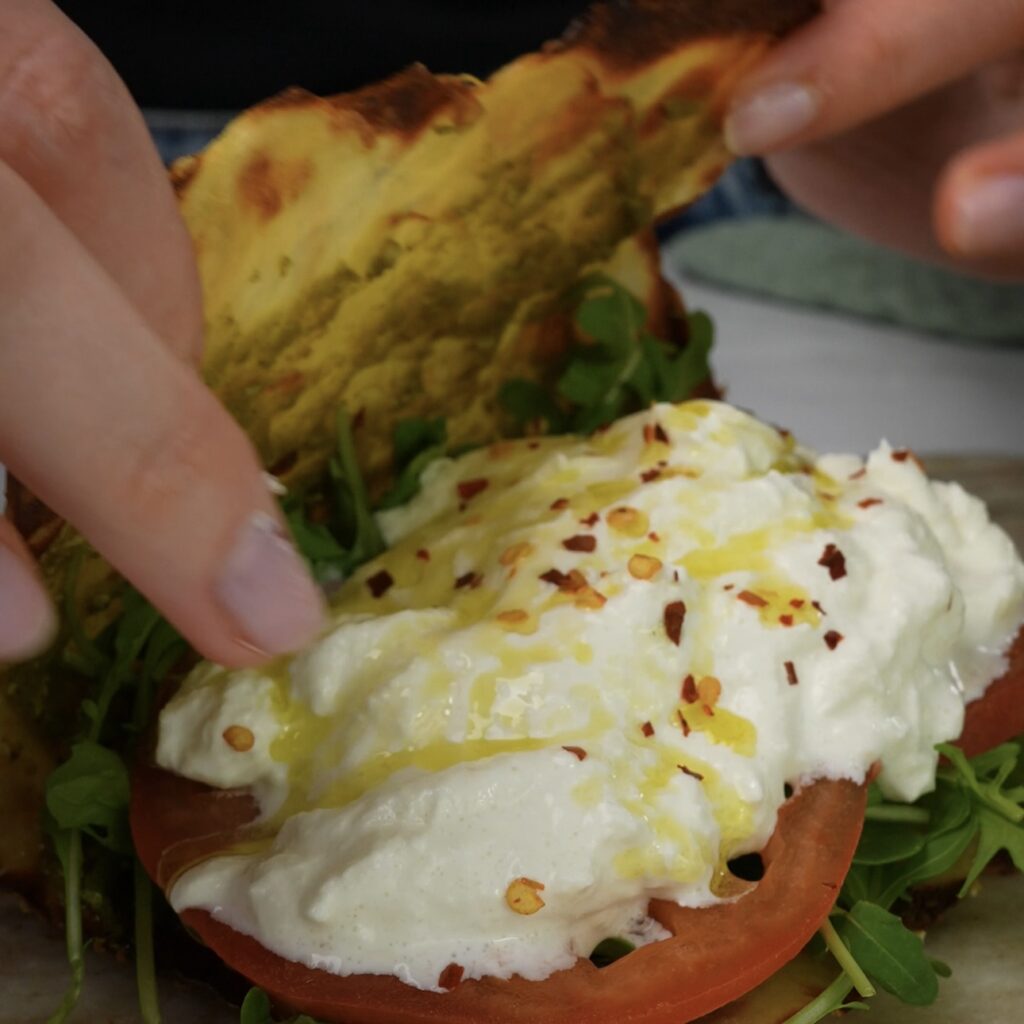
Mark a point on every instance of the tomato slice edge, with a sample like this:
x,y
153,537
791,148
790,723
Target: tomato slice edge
x,y
718,954
998,714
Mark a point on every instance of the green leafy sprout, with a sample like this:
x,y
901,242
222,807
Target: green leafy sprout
x,y
975,812
618,368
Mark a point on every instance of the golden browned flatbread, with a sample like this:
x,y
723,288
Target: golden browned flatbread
x,y
401,249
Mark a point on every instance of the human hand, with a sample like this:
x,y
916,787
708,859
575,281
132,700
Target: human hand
x,y
901,120
102,412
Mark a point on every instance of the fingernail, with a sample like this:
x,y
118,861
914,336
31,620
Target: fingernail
x,y
770,117
267,589
27,620
988,217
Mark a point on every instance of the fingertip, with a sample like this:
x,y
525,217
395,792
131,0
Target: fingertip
x,y
28,623
267,591
772,117
979,207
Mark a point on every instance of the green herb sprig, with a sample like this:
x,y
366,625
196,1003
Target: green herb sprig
x,y
975,812
87,796
348,536
619,367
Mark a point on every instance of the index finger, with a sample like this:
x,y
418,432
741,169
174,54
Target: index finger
x,y
69,128
861,59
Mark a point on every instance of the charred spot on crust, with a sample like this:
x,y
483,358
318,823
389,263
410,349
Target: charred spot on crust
x,y
265,185
407,102
630,33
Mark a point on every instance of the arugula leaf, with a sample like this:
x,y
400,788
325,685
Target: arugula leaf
x,y
417,443
995,833
890,953
883,842
679,374
413,436
938,855
991,782
350,536
532,405
256,1010
353,503
618,367
90,791
87,796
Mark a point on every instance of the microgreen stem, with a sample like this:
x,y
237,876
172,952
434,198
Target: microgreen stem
x,y
898,812
145,965
73,927
845,959
823,1004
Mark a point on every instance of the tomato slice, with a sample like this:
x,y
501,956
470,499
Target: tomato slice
x,y
716,954
998,715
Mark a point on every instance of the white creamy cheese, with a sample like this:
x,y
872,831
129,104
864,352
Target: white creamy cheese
x,y
580,679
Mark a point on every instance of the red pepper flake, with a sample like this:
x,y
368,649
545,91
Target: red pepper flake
x,y
860,474
653,536
683,723
581,542
533,445
577,752
555,577
675,614
749,597
650,475
451,977
869,502
559,503
654,432
797,602
689,691
905,453
568,583
469,489
423,555
647,729
708,710
469,579
791,676
380,583
833,560
817,607
833,639
591,520
690,772
786,620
